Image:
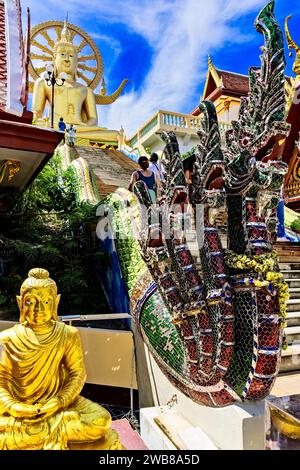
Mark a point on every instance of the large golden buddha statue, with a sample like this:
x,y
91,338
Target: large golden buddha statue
x,y
74,101
41,376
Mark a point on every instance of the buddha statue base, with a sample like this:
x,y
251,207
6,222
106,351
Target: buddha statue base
x,y
100,135
110,442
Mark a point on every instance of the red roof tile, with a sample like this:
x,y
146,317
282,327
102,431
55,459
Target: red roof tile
x,y
234,82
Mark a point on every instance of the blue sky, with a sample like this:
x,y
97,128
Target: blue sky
x,y
161,46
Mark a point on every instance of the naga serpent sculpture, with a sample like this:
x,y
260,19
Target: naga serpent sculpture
x,y
215,330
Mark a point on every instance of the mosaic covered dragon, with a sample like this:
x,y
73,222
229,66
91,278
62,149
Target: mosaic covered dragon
x,y
215,328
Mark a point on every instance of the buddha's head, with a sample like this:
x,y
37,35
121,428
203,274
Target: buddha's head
x,y
38,300
65,54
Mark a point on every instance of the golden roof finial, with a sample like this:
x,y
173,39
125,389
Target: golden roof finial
x,y
209,60
291,43
65,34
65,37
103,87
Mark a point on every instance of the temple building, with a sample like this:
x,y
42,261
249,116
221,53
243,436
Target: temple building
x,y
225,90
292,143
24,148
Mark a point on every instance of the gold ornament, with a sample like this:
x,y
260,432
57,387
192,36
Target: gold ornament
x,y
12,167
292,45
75,54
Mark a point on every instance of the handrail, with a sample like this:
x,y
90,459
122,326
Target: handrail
x,y
84,318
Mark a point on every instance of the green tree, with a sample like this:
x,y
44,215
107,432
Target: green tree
x,y
48,228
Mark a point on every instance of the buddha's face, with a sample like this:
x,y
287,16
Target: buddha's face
x,y
38,305
66,60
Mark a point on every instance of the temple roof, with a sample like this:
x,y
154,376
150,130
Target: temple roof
x,y
235,82
222,82
228,83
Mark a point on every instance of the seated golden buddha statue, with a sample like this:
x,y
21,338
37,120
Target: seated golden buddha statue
x,y
74,102
41,376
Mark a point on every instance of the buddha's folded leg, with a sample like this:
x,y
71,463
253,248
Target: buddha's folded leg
x,y
92,422
83,422
18,434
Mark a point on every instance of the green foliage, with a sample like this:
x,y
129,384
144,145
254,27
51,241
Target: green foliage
x,y
49,229
295,225
188,154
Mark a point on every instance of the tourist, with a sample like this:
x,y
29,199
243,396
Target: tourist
x,y
71,130
155,165
188,168
62,125
146,175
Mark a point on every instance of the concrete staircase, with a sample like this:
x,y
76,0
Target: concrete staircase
x,y
112,169
289,263
291,357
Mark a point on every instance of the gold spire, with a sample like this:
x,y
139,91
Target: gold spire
x,y
65,37
103,87
291,43
65,34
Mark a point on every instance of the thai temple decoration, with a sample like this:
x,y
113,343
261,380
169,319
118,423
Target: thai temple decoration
x,y
291,148
41,376
10,168
74,54
215,331
295,82
24,149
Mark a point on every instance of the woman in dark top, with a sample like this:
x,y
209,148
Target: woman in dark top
x,y
144,174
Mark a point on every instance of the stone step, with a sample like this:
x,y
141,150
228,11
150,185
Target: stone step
x,y
288,249
292,334
290,359
293,282
289,267
294,292
288,259
293,305
290,274
293,318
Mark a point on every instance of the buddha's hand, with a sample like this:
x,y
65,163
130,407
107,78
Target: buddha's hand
x,y
22,410
51,407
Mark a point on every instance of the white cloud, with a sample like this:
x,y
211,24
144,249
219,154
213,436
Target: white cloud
x,y
193,30
181,33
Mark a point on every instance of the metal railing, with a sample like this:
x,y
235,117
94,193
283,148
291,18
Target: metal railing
x,y
84,318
